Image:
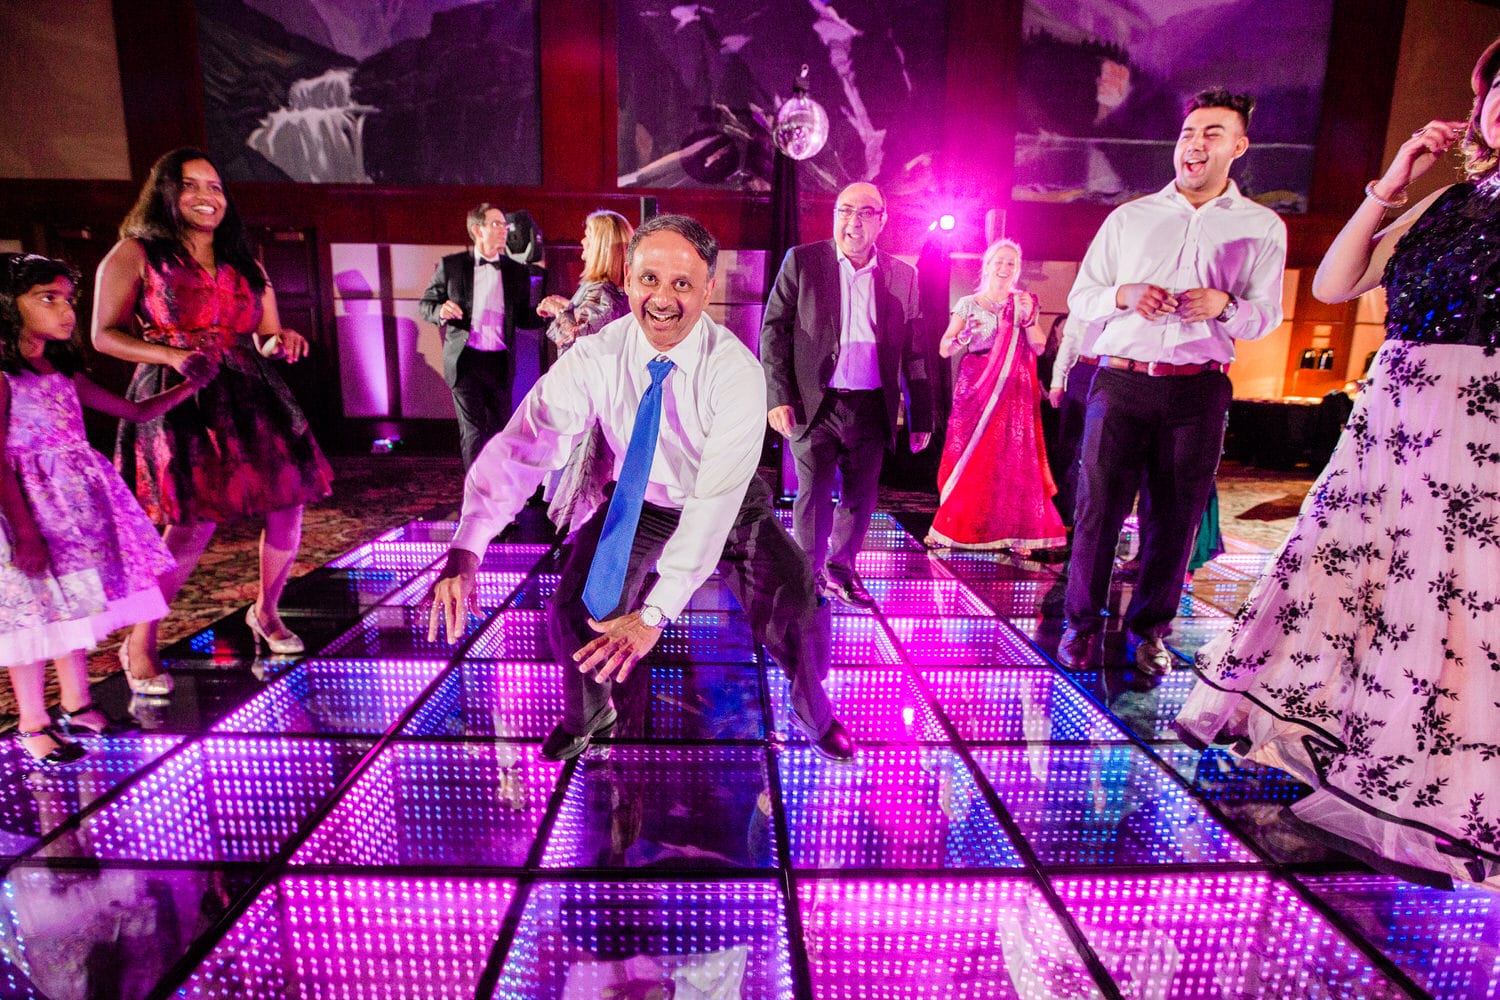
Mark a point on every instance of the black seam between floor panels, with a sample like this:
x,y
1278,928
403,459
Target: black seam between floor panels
x,y
273,868
1348,929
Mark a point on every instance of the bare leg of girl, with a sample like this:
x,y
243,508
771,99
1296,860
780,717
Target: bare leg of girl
x,y
186,542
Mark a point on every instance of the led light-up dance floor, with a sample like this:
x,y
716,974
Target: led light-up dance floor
x,y
373,820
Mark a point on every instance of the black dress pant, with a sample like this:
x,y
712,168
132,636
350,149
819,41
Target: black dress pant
x,y
765,570
1162,435
845,439
1070,422
481,396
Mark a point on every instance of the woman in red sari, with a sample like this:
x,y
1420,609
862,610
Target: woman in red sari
x,y
994,486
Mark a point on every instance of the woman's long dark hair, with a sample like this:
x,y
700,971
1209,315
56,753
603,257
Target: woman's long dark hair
x,y
157,223
20,272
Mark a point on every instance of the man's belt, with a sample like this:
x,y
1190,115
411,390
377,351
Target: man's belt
x,y
1154,367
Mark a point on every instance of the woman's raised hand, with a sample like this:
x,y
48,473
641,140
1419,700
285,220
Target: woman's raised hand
x,y
1417,155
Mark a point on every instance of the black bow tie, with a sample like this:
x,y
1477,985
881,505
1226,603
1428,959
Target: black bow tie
x,y
492,263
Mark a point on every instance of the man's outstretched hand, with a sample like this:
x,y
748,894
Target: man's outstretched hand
x,y
453,595
622,641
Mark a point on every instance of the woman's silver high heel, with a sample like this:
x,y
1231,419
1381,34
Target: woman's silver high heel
x,y
289,645
158,685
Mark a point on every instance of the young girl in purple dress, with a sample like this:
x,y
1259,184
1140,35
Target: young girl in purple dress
x,y
78,557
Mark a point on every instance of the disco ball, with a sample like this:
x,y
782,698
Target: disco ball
x,y
800,129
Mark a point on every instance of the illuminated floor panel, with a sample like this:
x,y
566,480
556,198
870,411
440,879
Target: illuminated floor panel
x,y
375,820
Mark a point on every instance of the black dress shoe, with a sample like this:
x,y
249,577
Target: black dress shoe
x,y
835,743
1078,650
563,745
851,592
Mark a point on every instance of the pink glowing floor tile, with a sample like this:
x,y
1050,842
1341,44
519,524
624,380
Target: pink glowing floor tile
x,y
891,807
473,803
1146,704
934,939
395,556
491,589
357,936
220,799
702,637
392,631
1214,935
970,566
436,532
1019,598
35,800
978,642
580,940
512,699
937,598
1025,703
336,696
1448,941
1105,804
880,704
514,635
901,565
681,806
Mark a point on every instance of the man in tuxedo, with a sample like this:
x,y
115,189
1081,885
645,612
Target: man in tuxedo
x,y
838,337
478,298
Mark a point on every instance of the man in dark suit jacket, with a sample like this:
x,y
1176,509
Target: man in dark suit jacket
x,y
837,339
478,312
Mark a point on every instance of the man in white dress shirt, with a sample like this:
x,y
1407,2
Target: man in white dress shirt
x,y
703,501
1168,285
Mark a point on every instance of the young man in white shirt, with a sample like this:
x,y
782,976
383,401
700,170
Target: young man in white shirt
x,y
1169,283
702,504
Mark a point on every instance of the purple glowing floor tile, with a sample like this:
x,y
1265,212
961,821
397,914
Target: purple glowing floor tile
x,y
1448,942
535,594
221,799
365,936
902,565
976,642
491,589
1189,635
974,566
1019,598
694,701
393,632
1193,606
944,598
891,807
1253,799
336,696
517,557
1104,805
1211,936
410,557
993,938
645,939
882,704
890,536
514,635
57,923
437,532
638,806
439,804
1144,703
35,800
1021,704
859,639
519,700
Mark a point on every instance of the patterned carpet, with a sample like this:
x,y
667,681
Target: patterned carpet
x,y
374,493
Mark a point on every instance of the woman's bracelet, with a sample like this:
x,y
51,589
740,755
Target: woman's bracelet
x,y
963,341
1399,202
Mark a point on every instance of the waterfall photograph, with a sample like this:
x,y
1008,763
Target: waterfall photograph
x,y
384,92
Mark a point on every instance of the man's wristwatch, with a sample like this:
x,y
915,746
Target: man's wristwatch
x,y
652,617
1230,308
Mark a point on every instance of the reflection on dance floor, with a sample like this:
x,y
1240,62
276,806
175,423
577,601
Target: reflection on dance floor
x,y
374,820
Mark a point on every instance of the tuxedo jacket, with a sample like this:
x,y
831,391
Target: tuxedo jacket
x,y
454,279
799,337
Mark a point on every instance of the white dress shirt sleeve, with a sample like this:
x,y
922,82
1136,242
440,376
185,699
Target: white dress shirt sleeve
x,y
1068,350
539,438
736,409
1259,310
1092,299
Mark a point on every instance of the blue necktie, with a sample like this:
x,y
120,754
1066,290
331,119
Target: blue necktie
x,y
601,594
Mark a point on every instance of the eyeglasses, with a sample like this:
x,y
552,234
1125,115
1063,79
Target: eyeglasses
x,y
863,214
495,224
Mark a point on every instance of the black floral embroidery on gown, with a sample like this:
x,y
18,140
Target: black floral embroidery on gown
x,y
1367,660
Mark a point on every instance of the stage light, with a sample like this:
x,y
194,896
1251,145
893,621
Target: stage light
x,y
946,223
